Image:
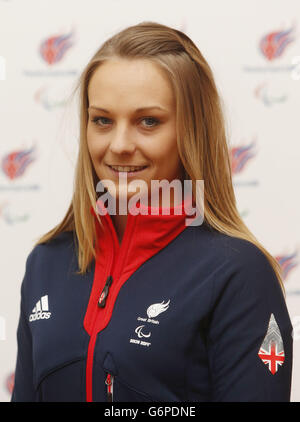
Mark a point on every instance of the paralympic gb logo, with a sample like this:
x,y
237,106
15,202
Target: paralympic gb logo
x,y
152,312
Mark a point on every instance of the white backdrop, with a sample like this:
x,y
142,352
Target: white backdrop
x,y
254,50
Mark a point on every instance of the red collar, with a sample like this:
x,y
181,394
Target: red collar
x,y
144,233
145,236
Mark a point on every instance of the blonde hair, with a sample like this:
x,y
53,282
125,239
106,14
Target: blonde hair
x,y
201,135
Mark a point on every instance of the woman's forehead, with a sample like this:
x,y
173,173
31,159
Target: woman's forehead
x,y
134,83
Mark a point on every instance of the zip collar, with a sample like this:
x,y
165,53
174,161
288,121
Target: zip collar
x,y
145,235
151,228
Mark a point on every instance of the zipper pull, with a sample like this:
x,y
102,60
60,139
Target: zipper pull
x,y
104,293
109,382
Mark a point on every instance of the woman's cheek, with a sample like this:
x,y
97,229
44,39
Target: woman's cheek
x,y
94,145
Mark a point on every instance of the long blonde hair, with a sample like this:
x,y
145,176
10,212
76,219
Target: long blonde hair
x,y
201,135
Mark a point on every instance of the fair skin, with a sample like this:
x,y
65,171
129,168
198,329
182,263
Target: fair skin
x,y
123,136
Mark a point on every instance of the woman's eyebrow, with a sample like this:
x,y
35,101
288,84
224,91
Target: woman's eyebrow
x,y
137,110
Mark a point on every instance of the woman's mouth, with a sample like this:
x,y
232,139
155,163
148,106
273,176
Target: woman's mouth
x,y
128,170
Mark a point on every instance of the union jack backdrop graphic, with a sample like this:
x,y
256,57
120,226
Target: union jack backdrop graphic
x,y
271,351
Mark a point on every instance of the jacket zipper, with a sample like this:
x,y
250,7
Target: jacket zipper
x,y
110,387
105,291
114,274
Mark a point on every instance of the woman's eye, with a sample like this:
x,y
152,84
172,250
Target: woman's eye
x,y
104,121
151,119
97,119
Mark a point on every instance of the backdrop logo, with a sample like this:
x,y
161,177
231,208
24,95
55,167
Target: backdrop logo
x,y
267,96
12,215
10,380
273,44
272,47
15,163
287,263
43,97
240,156
54,48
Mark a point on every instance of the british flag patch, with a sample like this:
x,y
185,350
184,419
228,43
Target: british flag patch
x,y
271,351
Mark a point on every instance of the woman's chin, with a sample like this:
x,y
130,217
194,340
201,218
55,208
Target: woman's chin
x,y
123,197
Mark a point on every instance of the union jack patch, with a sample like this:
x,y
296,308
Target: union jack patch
x,y
271,351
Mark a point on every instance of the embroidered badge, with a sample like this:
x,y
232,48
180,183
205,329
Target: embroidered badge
x,y
152,311
271,351
157,308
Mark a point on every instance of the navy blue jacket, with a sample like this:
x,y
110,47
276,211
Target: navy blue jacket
x,y
175,313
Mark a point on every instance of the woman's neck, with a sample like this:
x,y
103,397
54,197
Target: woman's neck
x,y
119,222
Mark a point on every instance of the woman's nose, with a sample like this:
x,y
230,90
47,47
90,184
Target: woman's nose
x,y
121,142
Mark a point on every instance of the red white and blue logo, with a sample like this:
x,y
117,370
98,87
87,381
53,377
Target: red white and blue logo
x,y
240,156
54,48
15,163
287,262
271,351
273,44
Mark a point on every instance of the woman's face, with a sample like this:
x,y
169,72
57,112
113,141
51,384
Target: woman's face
x,y
132,123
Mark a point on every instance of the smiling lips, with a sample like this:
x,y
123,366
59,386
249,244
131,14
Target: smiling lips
x,y
127,168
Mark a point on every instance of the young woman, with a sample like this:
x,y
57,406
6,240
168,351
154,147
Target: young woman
x,y
142,306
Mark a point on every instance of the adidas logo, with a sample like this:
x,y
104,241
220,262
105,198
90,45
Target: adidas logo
x,y
40,310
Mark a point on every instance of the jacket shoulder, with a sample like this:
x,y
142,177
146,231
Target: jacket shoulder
x,y
235,262
232,249
53,256
61,242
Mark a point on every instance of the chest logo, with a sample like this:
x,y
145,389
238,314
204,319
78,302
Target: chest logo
x,y
157,308
152,311
139,332
41,310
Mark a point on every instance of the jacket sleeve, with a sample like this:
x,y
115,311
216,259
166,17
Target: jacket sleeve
x,y
250,335
23,390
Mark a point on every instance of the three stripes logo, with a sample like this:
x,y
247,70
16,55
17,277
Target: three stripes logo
x,y
41,310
